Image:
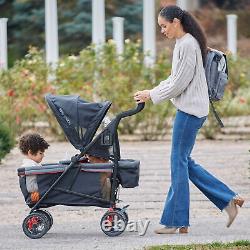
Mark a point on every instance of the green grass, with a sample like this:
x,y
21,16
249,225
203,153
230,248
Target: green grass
x,y
237,245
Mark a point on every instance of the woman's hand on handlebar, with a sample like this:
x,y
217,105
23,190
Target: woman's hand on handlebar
x,y
142,96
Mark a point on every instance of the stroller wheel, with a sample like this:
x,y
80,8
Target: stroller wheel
x,y
48,217
125,214
35,225
113,223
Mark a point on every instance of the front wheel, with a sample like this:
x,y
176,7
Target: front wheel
x,y
113,223
123,211
35,225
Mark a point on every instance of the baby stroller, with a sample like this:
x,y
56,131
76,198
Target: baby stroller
x,y
76,182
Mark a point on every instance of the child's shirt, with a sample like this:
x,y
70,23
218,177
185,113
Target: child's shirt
x,y
31,180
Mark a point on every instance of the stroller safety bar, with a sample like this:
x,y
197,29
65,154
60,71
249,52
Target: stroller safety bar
x,y
88,167
59,168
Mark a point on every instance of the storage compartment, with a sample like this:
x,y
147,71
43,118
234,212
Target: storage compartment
x,y
128,173
88,180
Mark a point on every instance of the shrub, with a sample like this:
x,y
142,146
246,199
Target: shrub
x,y
6,140
23,88
98,74
236,100
120,77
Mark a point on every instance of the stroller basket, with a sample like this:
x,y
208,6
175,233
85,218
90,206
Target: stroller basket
x,y
128,173
86,179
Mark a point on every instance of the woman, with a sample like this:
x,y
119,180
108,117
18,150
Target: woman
x,y
186,87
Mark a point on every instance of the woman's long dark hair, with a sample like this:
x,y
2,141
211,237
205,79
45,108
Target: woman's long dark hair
x,y
189,24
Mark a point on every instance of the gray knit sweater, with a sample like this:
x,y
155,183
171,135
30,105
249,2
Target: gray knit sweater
x,y
186,87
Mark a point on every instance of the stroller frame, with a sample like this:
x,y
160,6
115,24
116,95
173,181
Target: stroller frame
x,y
108,137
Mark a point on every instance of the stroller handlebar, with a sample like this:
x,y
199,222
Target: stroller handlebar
x,y
130,112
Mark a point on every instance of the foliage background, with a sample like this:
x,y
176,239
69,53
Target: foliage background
x,y
110,77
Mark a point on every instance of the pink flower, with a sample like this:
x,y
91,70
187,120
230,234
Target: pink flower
x,y
18,120
10,92
42,107
242,100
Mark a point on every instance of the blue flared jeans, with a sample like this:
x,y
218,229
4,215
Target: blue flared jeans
x,y
183,167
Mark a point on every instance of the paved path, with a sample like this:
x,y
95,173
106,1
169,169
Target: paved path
x,y
78,228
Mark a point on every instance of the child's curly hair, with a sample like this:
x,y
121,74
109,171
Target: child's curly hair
x,y
33,142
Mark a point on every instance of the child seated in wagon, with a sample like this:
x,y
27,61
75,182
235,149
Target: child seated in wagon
x,y
33,147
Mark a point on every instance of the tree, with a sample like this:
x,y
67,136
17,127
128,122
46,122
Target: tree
x,y
229,4
131,11
26,24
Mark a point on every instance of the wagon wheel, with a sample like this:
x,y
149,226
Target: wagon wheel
x,y
125,214
48,216
35,225
113,223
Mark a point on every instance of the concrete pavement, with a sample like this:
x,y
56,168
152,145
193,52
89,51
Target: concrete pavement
x,y
78,227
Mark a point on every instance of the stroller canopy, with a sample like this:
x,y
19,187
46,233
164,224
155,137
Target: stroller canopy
x,y
79,119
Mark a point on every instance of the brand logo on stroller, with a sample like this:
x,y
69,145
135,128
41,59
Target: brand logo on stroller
x,y
64,116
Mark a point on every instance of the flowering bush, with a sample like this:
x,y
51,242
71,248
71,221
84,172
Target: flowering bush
x,y
120,77
236,100
99,74
22,90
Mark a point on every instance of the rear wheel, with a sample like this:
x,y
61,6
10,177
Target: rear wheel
x,y
35,225
48,216
113,223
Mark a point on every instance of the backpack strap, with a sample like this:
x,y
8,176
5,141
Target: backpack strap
x,y
216,115
209,60
210,57
226,71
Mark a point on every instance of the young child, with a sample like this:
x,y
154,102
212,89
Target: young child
x,y
100,154
33,147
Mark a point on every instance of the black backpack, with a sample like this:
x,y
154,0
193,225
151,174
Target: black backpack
x,y
216,71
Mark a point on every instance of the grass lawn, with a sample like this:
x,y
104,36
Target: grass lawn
x,y
237,245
